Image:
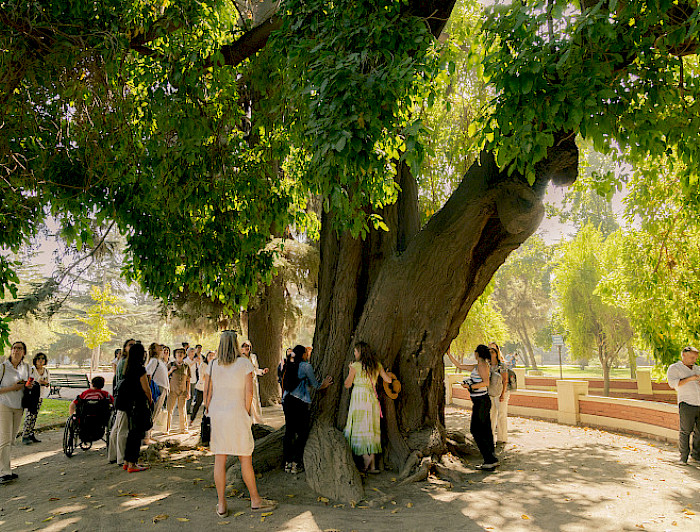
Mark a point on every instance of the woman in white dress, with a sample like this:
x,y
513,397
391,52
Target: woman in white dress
x,y
228,401
247,349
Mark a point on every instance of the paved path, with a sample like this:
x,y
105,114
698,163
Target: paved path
x,y
553,478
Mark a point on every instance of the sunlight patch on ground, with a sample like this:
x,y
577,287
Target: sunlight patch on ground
x,y
68,509
137,502
61,524
305,522
34,457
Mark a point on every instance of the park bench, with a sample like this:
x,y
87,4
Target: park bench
x,y
68,380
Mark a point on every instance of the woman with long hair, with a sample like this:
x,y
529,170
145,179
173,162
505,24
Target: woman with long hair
x,y
134,399
499,404
40,375
297,381
362,429
120,428
13,376
480,426
228,402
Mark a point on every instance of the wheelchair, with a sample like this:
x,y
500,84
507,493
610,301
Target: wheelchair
x,y
91,422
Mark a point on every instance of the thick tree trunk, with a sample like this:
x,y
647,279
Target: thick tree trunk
x,y
265,327
406,292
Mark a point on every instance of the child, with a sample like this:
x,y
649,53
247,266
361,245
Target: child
x,y
40,374
95,392
362,429
179,374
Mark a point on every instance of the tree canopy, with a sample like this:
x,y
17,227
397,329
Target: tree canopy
x,y
201,129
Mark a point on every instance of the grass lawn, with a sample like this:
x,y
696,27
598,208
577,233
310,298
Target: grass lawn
x,y
52,411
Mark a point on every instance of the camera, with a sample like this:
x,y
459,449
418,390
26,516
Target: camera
x,y
468,383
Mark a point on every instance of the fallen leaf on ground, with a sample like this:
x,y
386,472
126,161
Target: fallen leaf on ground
x,y
267,514
290,495
323,500
409,505
524,516
161,517
238,514
47,519
54,498
224,522
395,510
183,519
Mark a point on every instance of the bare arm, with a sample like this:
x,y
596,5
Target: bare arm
x,y
207,391
145,387
351,377
385,376
484,369
504,376
248,392
463,367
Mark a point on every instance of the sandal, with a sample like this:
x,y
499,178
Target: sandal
x,y
223,514
265,505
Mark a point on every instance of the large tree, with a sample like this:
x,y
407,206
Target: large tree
x,y
143,114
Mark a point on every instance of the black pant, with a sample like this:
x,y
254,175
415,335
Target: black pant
x,y
188,403
689,416
132,449
480,427
196,403
296,430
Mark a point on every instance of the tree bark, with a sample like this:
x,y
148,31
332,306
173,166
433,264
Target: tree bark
x,y
406,292
265,327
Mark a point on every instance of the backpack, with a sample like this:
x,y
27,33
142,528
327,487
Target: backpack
x,y
290,378
155,389
495,382
512,381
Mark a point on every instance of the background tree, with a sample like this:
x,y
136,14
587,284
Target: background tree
x,y
484,324
594,328
522,292
98,332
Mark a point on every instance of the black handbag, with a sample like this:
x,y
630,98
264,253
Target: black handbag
x,y
31,396
205,433
140,416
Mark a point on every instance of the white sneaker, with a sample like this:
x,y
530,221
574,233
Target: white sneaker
x,y
293,470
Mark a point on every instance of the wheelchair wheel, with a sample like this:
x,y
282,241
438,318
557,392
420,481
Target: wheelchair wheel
x,y
69,437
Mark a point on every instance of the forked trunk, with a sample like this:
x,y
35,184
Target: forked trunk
x,y
406,292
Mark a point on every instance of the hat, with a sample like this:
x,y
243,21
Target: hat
x,y
392,388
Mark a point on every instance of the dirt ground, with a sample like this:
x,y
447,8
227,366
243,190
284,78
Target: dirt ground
x,y
552,477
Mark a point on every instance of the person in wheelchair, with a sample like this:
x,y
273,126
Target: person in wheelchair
x,y
89,417
94,392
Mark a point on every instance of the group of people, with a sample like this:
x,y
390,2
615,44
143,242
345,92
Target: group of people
x,y
489,419
362,429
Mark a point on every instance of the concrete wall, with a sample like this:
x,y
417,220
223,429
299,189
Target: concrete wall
x,y
573,403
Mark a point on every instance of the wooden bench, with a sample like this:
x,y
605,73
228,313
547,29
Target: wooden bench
x,y
68,380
